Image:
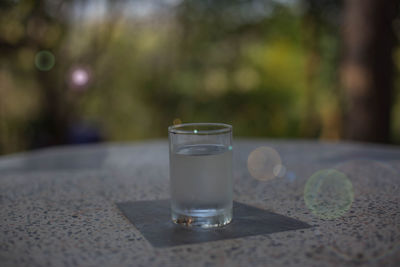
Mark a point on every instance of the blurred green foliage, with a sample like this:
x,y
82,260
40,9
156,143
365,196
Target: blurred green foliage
x,y
269,68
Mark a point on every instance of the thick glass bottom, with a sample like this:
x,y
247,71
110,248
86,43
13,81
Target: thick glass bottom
x,y
202,218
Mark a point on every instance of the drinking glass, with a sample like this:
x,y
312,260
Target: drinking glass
x,y
200,156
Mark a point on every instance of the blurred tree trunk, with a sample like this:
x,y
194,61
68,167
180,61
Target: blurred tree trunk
x,y
310,31
367,68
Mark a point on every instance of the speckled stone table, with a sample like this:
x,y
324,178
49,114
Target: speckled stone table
x,y
58,207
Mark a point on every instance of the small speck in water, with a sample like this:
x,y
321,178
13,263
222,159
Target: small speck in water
x,y
186,221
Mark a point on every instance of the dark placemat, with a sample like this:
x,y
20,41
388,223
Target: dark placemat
x,y
152,219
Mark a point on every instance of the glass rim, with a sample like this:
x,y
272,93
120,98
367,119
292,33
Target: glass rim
x,y
221,128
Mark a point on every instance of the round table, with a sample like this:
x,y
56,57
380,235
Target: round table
x,y
58,206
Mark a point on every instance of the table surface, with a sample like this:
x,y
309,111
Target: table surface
x,y
57,207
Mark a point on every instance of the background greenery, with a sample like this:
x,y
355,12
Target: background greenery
x,y
269,68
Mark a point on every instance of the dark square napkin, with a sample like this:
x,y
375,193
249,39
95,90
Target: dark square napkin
x,y
152,219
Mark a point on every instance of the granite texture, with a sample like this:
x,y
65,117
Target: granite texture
x,y
57,207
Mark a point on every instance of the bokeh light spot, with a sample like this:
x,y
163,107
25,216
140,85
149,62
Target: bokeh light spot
x,y
263,163
195,131
44,60
246,78
290,176
328,194
176,121
80,77
230,148
216,82
279,170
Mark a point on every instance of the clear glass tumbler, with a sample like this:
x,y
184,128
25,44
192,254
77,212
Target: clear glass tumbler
x,y
200,156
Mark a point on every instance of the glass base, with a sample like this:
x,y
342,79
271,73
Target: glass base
x,y
202,218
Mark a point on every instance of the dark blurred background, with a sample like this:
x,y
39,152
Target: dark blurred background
x,y
74,72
